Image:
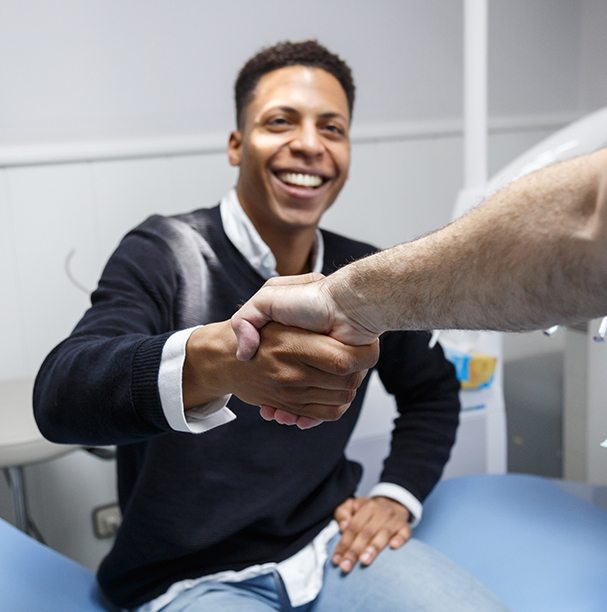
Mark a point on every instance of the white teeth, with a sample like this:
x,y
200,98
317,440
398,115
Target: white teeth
x,y
300,180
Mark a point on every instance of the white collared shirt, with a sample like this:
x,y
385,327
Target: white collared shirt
x,y
302,573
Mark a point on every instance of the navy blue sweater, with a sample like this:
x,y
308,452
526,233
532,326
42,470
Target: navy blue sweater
x,y
244,493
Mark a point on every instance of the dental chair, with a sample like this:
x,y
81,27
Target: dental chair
x,y
34,577
534,544
529,539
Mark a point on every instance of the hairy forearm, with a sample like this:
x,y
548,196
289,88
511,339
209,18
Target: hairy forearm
x,y
533,255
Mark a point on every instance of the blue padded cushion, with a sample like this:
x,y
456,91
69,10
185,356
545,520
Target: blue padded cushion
x,y
34,577
534,545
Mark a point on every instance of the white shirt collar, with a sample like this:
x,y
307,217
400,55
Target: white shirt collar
x,y
242,234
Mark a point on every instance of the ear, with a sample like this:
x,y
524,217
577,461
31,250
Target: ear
x,y
235,148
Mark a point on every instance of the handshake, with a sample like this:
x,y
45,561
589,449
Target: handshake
x,y
317,304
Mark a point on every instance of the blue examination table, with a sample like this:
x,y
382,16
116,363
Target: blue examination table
x,y
537,546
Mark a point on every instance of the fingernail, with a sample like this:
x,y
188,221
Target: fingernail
x,y
365,557
336,559
345,565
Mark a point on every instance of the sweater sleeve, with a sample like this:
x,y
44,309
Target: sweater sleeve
x,y
100,385
426,390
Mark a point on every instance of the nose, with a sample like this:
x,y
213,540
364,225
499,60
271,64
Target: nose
x,y
307,140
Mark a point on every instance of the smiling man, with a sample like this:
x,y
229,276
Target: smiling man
x,y
222,510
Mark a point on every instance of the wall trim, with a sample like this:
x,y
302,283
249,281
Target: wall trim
x,y
210,144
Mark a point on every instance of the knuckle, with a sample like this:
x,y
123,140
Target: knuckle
x,y
346,397
343,363
333,413
373,354
353,381
286,377
367,533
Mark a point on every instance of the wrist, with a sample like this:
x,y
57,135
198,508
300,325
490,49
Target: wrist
x,y
352,306
205,371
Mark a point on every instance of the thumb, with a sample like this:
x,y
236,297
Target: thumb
x,y
247,337
253,315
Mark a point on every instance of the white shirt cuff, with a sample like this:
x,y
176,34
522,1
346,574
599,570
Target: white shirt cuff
x,y
170,376
402,496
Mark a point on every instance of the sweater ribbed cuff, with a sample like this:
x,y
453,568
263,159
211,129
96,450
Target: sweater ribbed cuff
x,y
144,381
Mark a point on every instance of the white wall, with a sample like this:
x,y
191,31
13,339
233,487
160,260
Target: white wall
x,y
593,50
88,70
87,78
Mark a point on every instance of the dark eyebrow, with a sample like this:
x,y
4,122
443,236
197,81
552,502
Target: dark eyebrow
x,y
334,116
294,111
284,109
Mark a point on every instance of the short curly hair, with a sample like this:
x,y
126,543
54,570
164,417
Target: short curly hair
x,y
287,53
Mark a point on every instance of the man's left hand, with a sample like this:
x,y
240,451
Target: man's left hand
x,y
368,525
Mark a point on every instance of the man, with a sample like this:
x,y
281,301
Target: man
x,y
240,517
533,255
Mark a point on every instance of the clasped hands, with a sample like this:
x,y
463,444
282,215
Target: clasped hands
x,y
367,526
334,345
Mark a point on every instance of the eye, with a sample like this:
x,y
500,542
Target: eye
x,y
335,129
278,122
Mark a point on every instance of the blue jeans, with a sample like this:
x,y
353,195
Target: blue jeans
x,y
414,578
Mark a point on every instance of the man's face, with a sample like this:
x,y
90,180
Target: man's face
x,y
293,148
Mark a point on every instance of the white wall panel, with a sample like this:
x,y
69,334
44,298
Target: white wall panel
x,y
125,193
12,355
199,181
393,193
593,76
51,215
534,54
109,69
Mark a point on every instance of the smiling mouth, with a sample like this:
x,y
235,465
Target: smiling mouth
x,y
298,179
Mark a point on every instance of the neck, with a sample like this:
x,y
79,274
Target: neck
x,y
291,246
292,250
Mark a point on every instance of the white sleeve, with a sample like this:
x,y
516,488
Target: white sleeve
x,y
170,375
402,496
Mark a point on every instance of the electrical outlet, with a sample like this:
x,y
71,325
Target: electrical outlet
x,y
106,520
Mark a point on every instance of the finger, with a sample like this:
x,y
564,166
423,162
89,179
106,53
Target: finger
x,y
318,412
297,279
303,383
370,531
332,356
344,512
285,418
403,536
304,401
304,422
267,412
321,412
341,549
372,548
315,360
390,529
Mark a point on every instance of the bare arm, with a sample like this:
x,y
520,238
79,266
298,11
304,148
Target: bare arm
x,y
532,255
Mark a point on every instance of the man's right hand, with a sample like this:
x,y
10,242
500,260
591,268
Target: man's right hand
x,y
299,301
306,376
